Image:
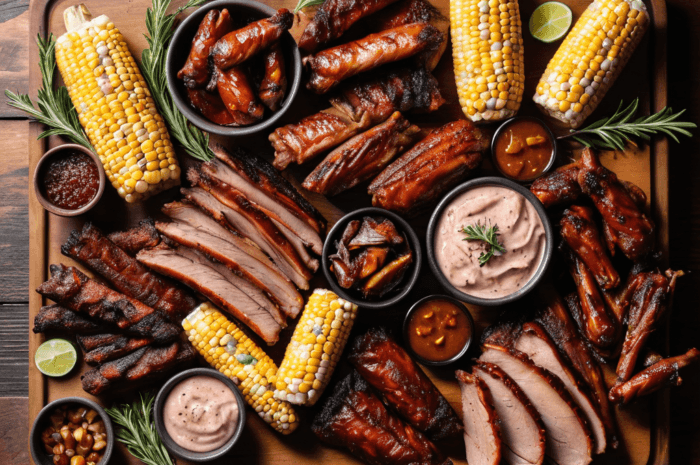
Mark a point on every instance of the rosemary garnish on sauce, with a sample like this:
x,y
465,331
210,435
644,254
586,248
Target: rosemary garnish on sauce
x,y
306,3
479,232
614,132
137,432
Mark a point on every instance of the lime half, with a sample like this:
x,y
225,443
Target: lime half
x,y
55,357
550,21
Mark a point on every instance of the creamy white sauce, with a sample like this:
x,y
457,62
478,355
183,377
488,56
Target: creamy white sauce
x,y
521,233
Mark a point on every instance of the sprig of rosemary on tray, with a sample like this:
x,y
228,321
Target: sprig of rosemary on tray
x,y
55,107
306,3
137,432
160,31
479,232
614,132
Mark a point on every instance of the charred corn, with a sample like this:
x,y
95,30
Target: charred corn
x,y
226,348
315,348
115,106
487,49
590,59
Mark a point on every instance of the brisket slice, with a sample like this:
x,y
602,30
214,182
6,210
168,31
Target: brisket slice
x,y
102,348
355,418
57,318
201,277
126,274
135,239
569,439
72,289
310,262
522,430
482,433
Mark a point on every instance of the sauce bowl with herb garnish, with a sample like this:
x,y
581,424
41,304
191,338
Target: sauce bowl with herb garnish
x,y
489,241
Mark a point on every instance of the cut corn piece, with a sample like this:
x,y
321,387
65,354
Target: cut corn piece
x,y
316,345
590,59
487,49
114,105
226,348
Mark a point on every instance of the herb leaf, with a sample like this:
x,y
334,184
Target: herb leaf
x,y
137,431
55,107
160,31
479,232
614,132
306,3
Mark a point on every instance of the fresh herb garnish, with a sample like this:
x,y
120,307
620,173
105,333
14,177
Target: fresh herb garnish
x,y
614,132
479,232
55,107
306,3
137,431
160,31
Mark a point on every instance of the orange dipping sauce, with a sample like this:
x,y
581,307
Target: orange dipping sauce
x,y
438,330
523,149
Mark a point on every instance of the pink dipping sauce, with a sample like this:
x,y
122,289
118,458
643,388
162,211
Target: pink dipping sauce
x,y
201,414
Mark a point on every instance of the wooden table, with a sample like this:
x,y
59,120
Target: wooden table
x,y
684,214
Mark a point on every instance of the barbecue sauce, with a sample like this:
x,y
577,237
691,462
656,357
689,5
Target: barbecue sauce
x,y
523,150
438,330
70,180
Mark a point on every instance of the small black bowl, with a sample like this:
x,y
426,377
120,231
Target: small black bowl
x,y
42,421
459,305
503,127
180,48
163,433
544,262
409,279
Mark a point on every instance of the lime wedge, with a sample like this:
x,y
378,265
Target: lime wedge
x,y
550,21
55,357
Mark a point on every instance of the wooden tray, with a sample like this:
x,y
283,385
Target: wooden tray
x,y
644,426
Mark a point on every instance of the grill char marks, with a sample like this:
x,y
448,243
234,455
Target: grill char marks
x,y
57,318
482,433
105,347
135,239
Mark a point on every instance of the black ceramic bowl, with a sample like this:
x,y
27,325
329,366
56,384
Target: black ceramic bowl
x,y
160,426
180,48
504,126
42,421
409,279
460,354
539,272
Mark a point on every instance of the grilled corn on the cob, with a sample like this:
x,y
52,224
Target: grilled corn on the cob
x,y
487,49
226,348
590,59
115,106
315,348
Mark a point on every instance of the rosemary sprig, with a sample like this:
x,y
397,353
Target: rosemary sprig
x,y
306,3
137,431
479,232
160,31
614,132
55,108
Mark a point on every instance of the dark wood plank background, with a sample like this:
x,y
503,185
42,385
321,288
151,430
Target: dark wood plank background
x,y
684,214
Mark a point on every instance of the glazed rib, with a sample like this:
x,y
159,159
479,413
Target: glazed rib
x,y
431,167
559,187
404,89
273,87
482,433
265,177
403,386
331,66
230,218
72,289
134,239
102,348
194,271
300,142
126,274
237,94
215,25
333,19
311,262
211,106
353,417
238,46
362,157
56,318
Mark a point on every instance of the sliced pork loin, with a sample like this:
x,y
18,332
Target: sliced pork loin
x,y
569,440
192,270
536,344
482,433
231,218
522,430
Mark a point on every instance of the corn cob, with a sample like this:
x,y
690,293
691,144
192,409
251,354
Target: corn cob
x,y
590,59
315,348
487,49
115,106
226,348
